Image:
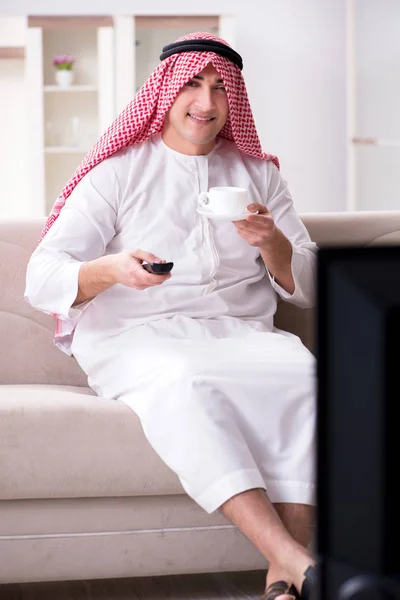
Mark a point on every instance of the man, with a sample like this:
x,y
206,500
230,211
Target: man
x,y
225,399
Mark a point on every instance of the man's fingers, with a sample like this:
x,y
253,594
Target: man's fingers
x,y
155,280
145,278
152,278
248,226
256,219
147,256
263,210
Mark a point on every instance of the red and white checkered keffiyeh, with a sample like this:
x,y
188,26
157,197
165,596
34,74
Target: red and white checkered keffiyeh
x,y
144,116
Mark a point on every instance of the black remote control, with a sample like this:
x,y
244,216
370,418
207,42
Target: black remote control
x,y
158,268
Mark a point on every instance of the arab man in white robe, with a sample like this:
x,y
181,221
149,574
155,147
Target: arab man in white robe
x,y
225,398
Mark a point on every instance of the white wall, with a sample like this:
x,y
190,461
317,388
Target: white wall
x,y
295,70
377,92
13,150
12,30
294,57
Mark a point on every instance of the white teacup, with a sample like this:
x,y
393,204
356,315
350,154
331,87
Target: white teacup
x,y
225,200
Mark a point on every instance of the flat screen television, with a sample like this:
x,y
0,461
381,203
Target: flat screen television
x,y
358,423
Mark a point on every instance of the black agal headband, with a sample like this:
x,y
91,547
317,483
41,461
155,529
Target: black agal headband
x,y
202,46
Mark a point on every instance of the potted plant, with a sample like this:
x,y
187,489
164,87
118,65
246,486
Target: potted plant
x,y
64,72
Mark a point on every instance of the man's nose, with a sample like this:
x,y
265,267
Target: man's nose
x,y
205,99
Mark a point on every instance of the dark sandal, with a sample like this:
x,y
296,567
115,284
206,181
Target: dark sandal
x,y
278,588
309,584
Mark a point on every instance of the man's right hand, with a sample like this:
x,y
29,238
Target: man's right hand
x,y
126,268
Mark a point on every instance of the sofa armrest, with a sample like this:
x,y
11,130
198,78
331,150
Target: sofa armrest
x,y
353,228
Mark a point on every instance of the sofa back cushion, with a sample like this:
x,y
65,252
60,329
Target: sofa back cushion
x,y
27,351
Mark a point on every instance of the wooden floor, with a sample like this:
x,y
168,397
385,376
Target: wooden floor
x,y
247,586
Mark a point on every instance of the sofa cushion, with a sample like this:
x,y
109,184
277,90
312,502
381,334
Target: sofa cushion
x,y
66,442
29,356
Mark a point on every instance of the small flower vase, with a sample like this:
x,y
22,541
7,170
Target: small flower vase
x,y
64,77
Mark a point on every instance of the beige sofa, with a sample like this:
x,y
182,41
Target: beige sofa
x,y
82,493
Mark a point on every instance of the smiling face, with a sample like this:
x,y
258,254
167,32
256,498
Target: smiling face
x,y
197,115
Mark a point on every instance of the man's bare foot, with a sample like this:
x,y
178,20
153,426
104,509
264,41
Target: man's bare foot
x,y
286,583
280,590
278,585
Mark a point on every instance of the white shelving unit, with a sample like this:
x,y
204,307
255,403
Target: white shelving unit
x,y
65,122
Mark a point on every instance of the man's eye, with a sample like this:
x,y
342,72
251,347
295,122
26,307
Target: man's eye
x,y
191,83
221,87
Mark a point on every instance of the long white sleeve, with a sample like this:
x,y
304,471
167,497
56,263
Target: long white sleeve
x,y
303,264
80,234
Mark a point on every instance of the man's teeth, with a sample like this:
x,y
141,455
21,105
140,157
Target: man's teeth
x,y
200,118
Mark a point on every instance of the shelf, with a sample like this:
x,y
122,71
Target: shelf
x,y
12,52
70,89
65,122
65,150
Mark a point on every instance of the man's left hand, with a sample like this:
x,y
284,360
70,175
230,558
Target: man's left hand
x,y
258,229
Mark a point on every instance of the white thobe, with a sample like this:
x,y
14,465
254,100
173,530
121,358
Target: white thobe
x,y
226,399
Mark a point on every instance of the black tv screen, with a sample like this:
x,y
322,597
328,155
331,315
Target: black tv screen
x,y
358,423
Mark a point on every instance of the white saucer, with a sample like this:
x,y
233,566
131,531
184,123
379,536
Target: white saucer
x,y
222,217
